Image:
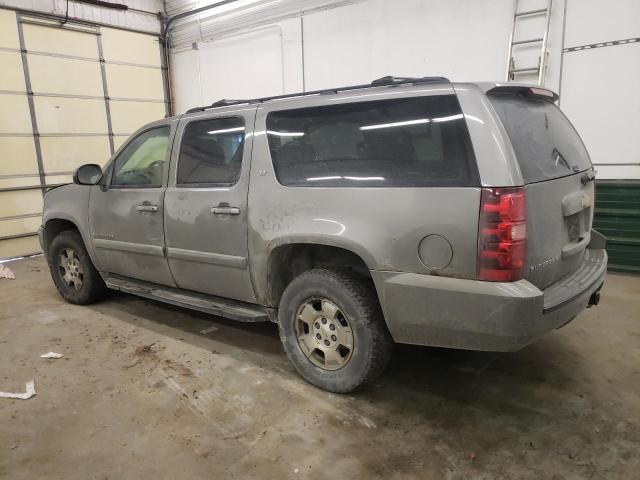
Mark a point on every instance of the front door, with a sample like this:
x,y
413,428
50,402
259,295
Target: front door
x,y
126,213
206,205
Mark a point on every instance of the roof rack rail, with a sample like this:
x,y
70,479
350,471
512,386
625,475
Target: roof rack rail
x,y
390,80
380,82
219,103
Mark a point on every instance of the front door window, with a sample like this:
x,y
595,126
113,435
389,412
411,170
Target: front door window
x,y
142,163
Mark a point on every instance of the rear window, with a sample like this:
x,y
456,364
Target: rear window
x,y
416,142
546,144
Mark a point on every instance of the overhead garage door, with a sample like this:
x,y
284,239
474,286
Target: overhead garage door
x,y
135,81
20,194
69,94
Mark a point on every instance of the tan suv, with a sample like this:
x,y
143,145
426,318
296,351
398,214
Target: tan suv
x,y
409,210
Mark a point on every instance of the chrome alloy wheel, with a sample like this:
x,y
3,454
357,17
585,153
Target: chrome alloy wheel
x,y
70,268
324,334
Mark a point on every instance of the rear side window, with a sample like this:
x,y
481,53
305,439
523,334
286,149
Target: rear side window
x,y
211,152
417,142
546,144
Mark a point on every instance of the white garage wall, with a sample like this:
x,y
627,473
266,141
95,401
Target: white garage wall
x,y
329,44
364,41
263,61
355,42
600,86
460,39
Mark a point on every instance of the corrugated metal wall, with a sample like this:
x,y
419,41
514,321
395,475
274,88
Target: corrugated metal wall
x,y
617,217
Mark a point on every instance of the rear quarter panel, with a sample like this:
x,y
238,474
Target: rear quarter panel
x,y
496,159
384,226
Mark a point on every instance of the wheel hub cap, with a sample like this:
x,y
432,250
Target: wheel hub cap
x,y
324,334
70,268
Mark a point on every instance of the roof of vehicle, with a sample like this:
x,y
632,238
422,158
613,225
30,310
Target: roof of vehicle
x,y
388,81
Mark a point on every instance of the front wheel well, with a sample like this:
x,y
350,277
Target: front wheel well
x,y
53,228
288,261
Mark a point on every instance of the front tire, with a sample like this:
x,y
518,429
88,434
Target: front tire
x,y
333,331
72,271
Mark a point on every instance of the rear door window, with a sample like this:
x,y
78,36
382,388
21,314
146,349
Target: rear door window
x,y
546,144
211,152
415,142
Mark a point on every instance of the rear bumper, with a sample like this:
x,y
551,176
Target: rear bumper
x,y
491,316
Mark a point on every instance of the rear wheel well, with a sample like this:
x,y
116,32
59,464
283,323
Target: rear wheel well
x,y
289,261
54,227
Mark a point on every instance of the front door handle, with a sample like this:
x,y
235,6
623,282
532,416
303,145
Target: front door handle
x,y
144,207
224,210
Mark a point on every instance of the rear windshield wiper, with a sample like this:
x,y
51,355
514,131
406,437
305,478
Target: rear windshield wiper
x,y
557,158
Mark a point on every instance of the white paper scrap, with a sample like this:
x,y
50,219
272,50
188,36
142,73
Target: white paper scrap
x,y
5,272
31,391
51,355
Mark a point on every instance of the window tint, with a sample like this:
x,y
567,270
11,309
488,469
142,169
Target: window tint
x,y
546,144
142,162
211,151
414,142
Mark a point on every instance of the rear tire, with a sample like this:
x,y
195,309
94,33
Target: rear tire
x,y
72,271
333,331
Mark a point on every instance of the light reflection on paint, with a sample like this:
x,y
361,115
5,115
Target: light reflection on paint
x,y
341,225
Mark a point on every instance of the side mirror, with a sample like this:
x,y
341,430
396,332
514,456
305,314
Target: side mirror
x,y
89,174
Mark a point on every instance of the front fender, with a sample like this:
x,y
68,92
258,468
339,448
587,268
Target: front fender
x,y
71,203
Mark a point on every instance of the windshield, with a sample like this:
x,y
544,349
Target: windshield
x,y
546,144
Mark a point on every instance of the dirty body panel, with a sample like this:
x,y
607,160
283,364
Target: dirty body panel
x,y
564,266
491,316
382,225
206,203
69,203
126,210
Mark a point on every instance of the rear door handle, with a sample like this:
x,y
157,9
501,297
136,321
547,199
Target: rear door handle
x,y
147,208
223,210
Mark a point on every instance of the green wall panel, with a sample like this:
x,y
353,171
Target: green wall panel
x,y
617,217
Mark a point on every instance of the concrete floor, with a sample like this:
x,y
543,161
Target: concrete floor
x,y
142,393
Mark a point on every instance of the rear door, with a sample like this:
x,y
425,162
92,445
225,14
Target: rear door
x,y
206,204
559,185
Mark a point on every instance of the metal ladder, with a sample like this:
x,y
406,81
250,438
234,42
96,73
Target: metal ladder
x,y
541,69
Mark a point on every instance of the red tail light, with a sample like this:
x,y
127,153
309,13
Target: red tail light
x,y
502,234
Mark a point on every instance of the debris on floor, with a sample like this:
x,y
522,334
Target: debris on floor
x,y
30,392
208,330
51,355
5,272
142,349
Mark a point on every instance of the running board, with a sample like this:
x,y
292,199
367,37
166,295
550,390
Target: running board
x,y
244,312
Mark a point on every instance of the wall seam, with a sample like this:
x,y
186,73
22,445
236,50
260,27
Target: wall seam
x,y
30,101
105,91
304,82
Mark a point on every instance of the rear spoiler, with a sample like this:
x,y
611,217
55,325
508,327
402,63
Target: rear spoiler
x,y
526,90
